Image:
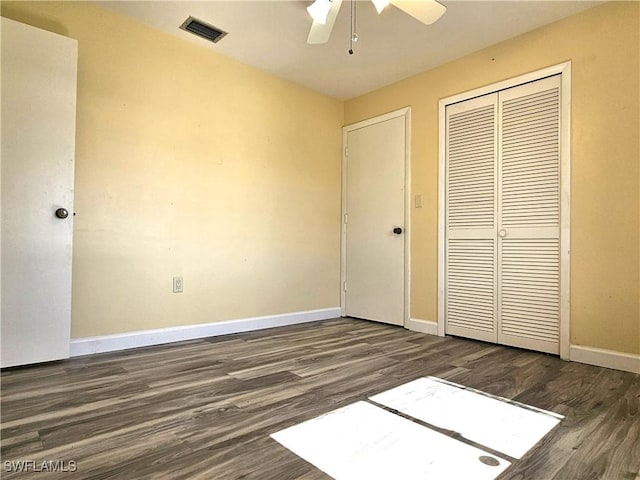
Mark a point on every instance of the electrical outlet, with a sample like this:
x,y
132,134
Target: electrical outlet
x,y
177,285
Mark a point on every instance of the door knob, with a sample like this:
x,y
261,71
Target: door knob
x,y
62,213
502,233
397,230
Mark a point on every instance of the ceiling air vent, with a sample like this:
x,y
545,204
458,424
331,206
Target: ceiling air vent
x,y
202,29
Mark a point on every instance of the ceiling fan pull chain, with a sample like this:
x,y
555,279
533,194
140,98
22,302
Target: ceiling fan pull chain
x,y
353,33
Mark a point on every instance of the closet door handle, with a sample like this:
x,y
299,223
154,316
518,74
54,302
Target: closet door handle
x,y
502,233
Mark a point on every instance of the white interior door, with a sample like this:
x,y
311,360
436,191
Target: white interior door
x,y
38,144
471,273
374,223
529,216
503,205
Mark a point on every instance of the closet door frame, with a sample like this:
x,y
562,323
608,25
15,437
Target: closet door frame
x,y
564,70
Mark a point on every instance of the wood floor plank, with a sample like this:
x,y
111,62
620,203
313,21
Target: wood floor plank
x,y
205,409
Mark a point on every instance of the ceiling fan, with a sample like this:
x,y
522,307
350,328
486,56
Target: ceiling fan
x,y
324,13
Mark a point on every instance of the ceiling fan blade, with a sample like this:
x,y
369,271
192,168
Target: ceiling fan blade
x,y
427,11
320,33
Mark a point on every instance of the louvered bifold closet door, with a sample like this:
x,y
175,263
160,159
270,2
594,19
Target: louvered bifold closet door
x,y
529,216
471,218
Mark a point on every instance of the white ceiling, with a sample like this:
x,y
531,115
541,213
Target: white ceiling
x,y
271,35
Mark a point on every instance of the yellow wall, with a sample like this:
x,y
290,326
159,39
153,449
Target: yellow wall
x,y
603,45
189,163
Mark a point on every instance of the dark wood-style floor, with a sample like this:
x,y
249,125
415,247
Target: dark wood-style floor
x,y
204,409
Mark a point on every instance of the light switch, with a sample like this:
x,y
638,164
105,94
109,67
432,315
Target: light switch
x,y
418,201
177,285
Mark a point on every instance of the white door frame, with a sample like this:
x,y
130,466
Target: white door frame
x,y
564,70
406,113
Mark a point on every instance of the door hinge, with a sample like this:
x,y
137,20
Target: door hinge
x,y
346,151
346,218
344,286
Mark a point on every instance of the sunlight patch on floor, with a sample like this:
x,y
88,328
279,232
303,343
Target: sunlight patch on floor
x,y
493,422
363,441
367,441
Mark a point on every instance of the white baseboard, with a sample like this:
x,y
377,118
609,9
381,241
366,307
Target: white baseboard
x,y
144,338
423,326
605,358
